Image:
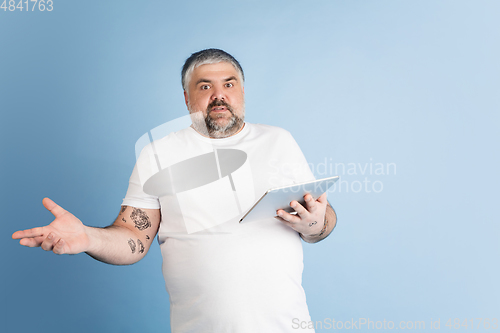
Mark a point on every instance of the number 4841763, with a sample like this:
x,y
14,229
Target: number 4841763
x,y
486,323
35,5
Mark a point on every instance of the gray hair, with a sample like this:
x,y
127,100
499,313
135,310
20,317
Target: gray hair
x,y
204,57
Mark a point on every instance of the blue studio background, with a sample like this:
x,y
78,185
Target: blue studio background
x,y
399,98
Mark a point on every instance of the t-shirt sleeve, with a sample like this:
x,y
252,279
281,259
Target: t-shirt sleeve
x,y
144,168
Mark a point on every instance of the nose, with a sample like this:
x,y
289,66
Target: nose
x,y
217,93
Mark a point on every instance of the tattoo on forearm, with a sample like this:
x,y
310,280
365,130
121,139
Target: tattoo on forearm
x,y
313,223
123,209
140,245
323,230
131,243
141,219
147,237
124,220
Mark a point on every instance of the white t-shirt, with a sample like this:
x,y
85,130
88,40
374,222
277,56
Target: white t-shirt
x,y
221,275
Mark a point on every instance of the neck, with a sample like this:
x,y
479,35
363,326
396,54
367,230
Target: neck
x,y
218,137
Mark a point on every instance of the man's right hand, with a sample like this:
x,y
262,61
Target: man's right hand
x,y
124,242
66,234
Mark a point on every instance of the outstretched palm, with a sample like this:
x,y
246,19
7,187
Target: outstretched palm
x,y
66,234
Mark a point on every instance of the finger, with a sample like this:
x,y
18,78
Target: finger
x,y
310,203
301,211
31,242
59,247
287,216
53,207
48,243
35,232
282,220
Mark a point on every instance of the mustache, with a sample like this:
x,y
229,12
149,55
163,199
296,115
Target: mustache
x,y
219,102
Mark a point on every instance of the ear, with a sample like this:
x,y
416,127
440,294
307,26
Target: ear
x,y
186,97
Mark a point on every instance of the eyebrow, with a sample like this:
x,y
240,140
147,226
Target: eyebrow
x,y
202,80
231,78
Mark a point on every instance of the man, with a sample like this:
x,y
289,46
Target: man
x,y
221,275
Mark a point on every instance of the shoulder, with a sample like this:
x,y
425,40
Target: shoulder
x,y
162,141
165,138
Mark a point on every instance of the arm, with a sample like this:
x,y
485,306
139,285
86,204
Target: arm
x,y
313,222
124,242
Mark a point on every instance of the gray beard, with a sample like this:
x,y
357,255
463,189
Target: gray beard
x,y
209,127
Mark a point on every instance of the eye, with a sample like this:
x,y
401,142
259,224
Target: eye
x,y
229,85
205,87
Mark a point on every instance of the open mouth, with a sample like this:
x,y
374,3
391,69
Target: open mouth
x,y
218,109
219,106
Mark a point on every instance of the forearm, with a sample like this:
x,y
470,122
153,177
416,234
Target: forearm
x,y
328,226
115,245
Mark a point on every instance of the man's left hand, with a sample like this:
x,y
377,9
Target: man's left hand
x,y
309,220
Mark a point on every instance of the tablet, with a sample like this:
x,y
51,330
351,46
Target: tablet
x,y
280,198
